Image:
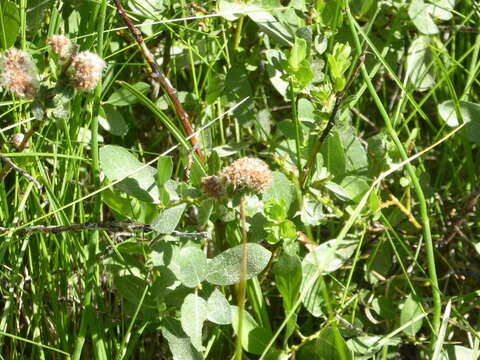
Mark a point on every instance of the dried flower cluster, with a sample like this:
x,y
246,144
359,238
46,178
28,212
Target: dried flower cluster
x,y
214,186
88,69
18,73
244,174
17,140
60,45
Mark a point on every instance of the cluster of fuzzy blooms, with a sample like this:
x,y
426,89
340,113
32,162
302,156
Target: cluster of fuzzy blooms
x,y
245,174
19,75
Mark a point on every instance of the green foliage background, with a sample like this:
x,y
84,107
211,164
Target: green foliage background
x,y
365,244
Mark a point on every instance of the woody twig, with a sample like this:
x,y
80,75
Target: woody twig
x,y
20,171
158,76
113,227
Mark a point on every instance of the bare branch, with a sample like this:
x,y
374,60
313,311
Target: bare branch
x,y
113,227
158,76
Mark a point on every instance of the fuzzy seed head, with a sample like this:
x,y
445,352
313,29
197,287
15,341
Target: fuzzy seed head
x,y
248,173
18,73
214,186
88,69
60,45
17,140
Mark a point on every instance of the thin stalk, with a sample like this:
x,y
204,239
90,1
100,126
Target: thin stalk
x,y
238,33
437,305
243,281
157,75
88,317
298,127
303,174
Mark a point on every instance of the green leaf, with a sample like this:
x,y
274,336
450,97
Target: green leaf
x,y
275,209
179,342
369,345
312,296
356,159
410,310
276,65
421,14
237,88
254,337
131,287
9,23
260,13
272,27
304,75
458,352
355,186
130,207
329,345
312,211
288,279
116,162
420,64
280,189
379,263
124,97
330,255
218,309
333,154
192,266
147,8
204,211
164,169
112,120
168,219
338,62
225,268
192,315
470,113
298,53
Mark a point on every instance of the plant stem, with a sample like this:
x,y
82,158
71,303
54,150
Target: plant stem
x,y
331,122
162,80
238,33
417,188
243,281
298,127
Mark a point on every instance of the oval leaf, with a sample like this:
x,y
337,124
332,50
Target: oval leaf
x,y
420,64
225,269
328,346
470,115
254,337
192,266
330,255
192,316
280,188
218,309
112,120
168,219
411,309
179,343
116,162
164,169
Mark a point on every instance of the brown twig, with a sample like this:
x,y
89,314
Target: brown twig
x,y
113,227
158,76
331,121
462,218
8,166
20,171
